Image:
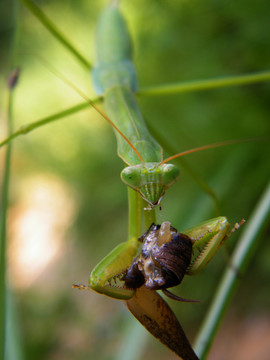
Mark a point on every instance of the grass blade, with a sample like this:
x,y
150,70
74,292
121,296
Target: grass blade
x,y
4,205
35,10
48,119
208,84
239,262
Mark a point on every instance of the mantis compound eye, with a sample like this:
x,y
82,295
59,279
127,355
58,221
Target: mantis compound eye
x,y
131,176
169,173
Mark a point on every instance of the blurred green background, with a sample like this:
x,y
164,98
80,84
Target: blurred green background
x,y
68,205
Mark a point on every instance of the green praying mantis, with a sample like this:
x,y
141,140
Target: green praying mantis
x,y
148,176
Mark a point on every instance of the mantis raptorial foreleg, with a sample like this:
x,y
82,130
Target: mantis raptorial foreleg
x,y
166,256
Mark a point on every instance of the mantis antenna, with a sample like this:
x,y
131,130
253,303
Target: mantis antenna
x,y
57,73
210,146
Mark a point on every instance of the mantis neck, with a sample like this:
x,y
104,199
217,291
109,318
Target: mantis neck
x,y
135,204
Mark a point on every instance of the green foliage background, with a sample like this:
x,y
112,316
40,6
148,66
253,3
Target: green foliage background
x,y
174,41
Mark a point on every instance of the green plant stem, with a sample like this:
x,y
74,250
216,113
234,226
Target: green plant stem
x,y
134,341
35,10
207,84
13,348
4,207
239,262
151,91
47,120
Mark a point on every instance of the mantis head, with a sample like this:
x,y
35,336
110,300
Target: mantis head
x,y
151,180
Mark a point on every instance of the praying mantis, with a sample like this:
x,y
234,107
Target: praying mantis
x,y
148,176
136,234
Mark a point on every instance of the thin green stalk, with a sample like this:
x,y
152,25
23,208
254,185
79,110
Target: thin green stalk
x,y
207,84
134,341
32,126
4,207
13,348
239,262
35,10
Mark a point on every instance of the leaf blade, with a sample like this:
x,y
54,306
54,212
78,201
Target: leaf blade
x,y
157,317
